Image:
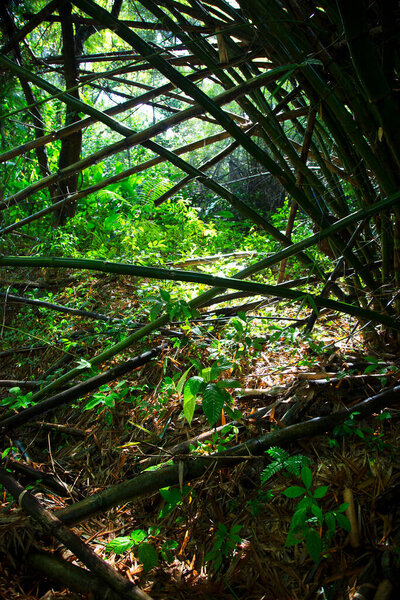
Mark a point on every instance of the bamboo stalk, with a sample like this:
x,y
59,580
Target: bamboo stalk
x,y
52,525
150,482
202,278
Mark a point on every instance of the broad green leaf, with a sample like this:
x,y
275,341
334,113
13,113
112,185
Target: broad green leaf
x,y
190,391
119,545
15,391
298,519
181,382
189,405
138,535
166,296
228,383
330,522
343,521
193,385
171,495
313,544
320,491
306,477
317,512
148,556
342,507
294,491
206,374
213,402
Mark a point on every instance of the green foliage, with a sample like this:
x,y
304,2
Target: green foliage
x,y
225,543
173,497
239,336
213,392
219,441
283,460
107,396
309,519
310,523
138,539
178,309
17,400
146,551
373,438
143,542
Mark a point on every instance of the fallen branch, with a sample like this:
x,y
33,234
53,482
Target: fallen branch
x,y
68,575
184,447
77,391
35,475
151,481
56,528
57,307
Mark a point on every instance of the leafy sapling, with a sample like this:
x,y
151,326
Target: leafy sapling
x,y
213,393
17,400
309,523
225,544
139,539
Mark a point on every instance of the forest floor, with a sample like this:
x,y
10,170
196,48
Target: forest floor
x,y
224,535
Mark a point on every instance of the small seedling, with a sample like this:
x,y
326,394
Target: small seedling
x,y
146,552
17,400
308,519
225,544
214,394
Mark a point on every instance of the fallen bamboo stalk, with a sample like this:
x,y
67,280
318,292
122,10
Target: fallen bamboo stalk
x,y
35,475
68,575
52,525
9,383
184,447
201,260
150,482
11,298
77,391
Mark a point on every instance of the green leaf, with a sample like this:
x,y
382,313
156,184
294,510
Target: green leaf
x,y
330,522
15,391
343,507
138,535
206,374
155,311
171,495
317,512
148,556
313,544
320,491
95,401
228,383
306,477
213,402
166,296
119,545
343,521
294,491
190,392
181,382
298,519
189,405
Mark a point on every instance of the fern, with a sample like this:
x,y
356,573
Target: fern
x,y
283,460
153,189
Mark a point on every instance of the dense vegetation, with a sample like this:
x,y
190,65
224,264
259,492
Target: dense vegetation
x,y
200,271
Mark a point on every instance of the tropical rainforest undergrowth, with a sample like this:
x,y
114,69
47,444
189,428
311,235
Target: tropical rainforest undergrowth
x,y
199,276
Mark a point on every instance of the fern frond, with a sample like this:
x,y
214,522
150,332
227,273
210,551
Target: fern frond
x,y
282,460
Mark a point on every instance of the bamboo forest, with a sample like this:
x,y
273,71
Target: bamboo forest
x,y
199,299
